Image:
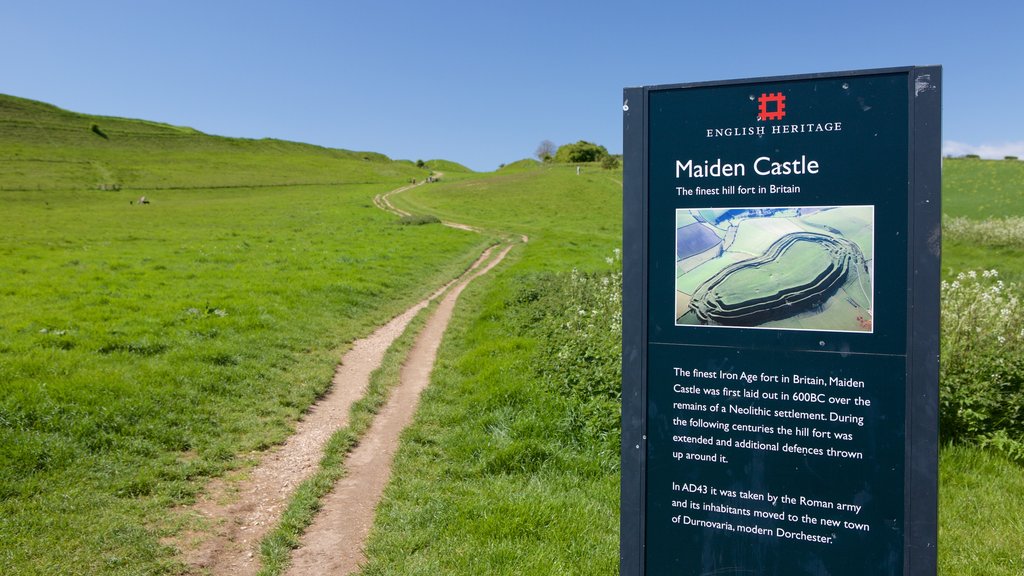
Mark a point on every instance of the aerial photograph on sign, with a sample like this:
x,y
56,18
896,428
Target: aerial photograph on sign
x,y
793,268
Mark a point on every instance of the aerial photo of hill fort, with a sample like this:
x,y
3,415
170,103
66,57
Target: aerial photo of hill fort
x,y
797,268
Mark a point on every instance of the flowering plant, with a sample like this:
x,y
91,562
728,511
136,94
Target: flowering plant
x,y
982,363
577,319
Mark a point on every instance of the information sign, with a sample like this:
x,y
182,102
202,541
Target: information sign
x,y
780,337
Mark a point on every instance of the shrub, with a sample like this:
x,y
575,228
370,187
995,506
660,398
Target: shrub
x,y
418,220
578,319
97,131
581,151
610,162
1010,158
981,396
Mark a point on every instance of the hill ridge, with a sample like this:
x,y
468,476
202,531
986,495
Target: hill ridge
x,y
45,147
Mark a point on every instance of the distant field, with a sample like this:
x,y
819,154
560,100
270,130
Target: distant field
x,y
982,188
570,219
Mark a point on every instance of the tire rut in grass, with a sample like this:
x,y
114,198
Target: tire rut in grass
x,y
235,514
238,513
334,543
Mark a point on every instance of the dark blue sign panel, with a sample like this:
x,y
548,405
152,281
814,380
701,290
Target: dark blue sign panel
x,y
775,238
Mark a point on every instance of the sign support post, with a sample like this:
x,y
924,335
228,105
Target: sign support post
x,y
780,325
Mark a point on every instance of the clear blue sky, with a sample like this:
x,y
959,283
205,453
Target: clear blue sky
x,y
483,83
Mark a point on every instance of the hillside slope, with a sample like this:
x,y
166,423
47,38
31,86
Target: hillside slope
x,y
144,350
43,147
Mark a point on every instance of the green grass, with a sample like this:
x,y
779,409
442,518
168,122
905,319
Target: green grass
x,y
489,479
982,189
523,165
961,256
494,476
276,547
447,167
143,349
981,494
45,148
571,220
980,514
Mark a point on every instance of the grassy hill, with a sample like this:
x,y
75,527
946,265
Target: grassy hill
x,y
447,166
520,165
144,349
45,148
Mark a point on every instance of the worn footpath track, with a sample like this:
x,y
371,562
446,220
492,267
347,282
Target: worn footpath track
x,y
334,543
233,515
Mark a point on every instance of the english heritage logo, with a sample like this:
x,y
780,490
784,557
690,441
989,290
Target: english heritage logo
x,y
776,101
772,106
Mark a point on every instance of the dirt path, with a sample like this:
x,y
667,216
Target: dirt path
x,y
383,202
234,514
240,512
333,544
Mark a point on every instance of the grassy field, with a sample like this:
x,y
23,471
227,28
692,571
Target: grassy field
x,y
983,191
498,474
144,348
981,493
570,220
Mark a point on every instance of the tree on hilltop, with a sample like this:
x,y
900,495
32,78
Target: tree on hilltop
x,y
581,151
545,151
